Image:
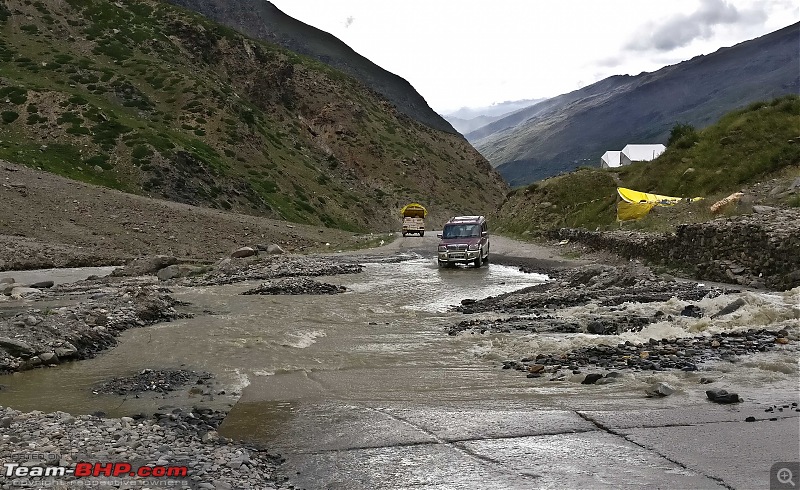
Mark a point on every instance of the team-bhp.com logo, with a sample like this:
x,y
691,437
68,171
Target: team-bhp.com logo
x,y
95,469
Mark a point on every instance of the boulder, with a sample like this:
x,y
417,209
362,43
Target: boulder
x,y
591,379
42,284
145,266
596,327
22,292
15,347
722,396
49,358
660,390
243,252
730,308
275,249
175,271
66,350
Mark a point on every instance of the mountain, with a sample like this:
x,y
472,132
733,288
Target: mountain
x,y
469,119
151,99
562,133
262,20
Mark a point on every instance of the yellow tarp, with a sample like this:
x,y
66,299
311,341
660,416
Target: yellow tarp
x,y
636,204
629,195
632,210
414,210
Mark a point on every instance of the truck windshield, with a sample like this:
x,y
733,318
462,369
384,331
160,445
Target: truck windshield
x,y
460,231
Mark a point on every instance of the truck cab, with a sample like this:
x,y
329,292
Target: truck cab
x,y
464,240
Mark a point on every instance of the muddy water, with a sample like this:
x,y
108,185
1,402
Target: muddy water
x,y
383,338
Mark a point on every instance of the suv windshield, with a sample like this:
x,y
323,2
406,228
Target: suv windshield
x,y
460,231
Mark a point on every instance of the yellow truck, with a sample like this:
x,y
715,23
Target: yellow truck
x,y
414,218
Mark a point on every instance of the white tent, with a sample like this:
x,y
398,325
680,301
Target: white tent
x,y
610,159
640,153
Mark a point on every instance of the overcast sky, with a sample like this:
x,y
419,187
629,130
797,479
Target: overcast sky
x,y
473,53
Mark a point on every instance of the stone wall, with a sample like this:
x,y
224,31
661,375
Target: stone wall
x,y
760,249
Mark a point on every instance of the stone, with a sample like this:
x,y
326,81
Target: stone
x,y
42,284
243,252
660,390
722,396
596,328
144,266
175,271
730,308
275,249
692,311
7,280
49,358
66,350
763,209
32,320
591,378
22,292
15,347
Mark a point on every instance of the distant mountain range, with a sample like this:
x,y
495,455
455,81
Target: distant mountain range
x,y
262,20
565,132
468,119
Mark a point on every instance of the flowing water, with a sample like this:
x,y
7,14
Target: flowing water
x,y
309,375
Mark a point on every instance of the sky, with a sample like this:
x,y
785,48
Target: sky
x,y
475,53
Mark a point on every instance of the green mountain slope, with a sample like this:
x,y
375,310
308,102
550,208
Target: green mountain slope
x,y
756,149
151,99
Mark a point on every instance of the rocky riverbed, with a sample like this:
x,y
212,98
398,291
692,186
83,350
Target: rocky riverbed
x,y
42,326
173,440
591,323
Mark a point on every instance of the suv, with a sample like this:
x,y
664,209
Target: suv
x,y
464,239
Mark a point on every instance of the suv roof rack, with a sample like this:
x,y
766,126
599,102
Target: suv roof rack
x,y
464,218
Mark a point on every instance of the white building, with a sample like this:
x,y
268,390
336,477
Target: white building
x,y
610,159
640,153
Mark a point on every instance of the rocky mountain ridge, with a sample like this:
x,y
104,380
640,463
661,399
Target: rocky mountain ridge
x,y
260,19
574,129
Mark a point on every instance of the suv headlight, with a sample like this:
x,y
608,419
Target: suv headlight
x,y
443,248
474,246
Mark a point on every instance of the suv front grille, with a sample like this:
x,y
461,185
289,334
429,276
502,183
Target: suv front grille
x,y
458,246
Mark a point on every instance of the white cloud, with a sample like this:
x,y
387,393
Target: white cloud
x,y
472,53
680,30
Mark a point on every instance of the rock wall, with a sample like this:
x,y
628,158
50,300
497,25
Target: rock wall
x,y
759,250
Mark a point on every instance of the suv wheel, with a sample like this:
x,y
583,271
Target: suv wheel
x,y
479,260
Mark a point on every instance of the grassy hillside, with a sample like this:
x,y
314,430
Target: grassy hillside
x,y
756,149
151,99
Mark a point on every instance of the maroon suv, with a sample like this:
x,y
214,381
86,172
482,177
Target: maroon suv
x,y
464,240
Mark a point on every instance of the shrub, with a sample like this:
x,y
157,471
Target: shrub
x,y
9,116
683,136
